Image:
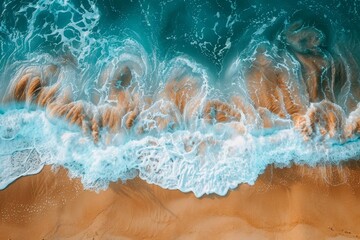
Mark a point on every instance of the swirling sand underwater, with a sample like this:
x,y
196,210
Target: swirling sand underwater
x,y
198,96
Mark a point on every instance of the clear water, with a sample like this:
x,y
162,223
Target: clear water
x,y
211,41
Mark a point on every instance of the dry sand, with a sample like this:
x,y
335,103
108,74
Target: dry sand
x,y
289,203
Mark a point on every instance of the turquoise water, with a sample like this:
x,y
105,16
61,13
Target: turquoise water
x,y
211,41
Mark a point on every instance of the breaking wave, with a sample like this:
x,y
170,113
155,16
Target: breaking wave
x,y
194,96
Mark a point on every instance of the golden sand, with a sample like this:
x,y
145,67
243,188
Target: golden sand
x,y
290,203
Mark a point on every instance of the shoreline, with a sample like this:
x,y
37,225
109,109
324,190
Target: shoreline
x,y
289,203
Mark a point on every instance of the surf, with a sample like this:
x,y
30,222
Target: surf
x,y
115,102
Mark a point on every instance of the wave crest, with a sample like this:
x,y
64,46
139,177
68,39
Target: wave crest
x,y
111,109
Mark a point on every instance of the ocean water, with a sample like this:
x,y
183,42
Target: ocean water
x,y
230,48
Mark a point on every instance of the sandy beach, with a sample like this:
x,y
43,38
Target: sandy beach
x,y
290,203
189,95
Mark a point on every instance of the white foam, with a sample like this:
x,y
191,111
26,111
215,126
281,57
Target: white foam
x,y
203,162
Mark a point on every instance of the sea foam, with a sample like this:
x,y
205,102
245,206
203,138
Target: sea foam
x,y
273,61
170,160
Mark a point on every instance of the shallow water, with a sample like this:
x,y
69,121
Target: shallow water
x,y
288,71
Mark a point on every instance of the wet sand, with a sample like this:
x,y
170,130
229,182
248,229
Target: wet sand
x,y
290,203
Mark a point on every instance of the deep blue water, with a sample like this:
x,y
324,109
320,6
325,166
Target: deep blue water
x,y
208,40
